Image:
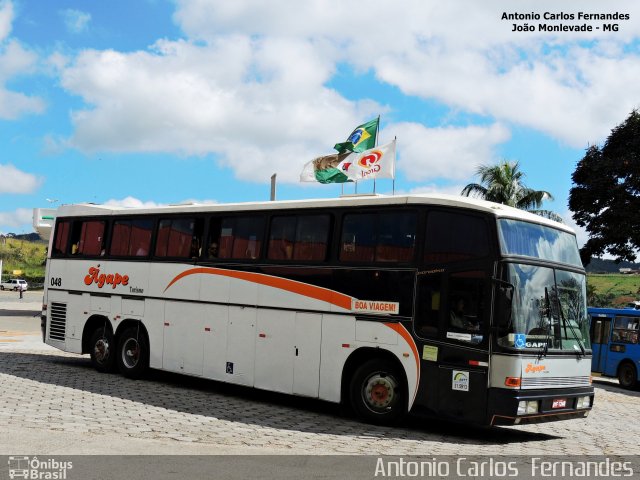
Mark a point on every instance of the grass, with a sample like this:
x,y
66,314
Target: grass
x,y
616,284
29,257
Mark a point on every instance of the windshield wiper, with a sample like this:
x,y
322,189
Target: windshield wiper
x,y
571,327
547,307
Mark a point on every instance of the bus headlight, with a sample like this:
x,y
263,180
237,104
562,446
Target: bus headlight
x,y
583,402
527,407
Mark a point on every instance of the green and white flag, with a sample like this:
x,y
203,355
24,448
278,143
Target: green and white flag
x,y
361,139
378,162
325,169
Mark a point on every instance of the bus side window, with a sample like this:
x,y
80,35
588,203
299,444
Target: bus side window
x,y
61,238
466,304
428,305
87,237
213,242
455,237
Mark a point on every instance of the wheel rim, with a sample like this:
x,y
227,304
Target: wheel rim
x,y
626,375
379,392
130,353
101,350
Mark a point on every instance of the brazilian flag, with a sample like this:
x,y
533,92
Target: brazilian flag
x,y
361,139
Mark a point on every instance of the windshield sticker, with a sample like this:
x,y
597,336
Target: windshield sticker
x,y
465,337
520,340
370,306
430,353
460,381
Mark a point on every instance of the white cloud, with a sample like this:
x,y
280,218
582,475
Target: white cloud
x,y
448,152
132,202
14,60
17,219
13,180
76,21
6,19
449,189
249,84
258,113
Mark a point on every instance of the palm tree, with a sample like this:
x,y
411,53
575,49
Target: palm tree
x,y
502,183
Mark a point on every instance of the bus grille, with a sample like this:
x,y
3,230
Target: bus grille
x,y
556,382
58,324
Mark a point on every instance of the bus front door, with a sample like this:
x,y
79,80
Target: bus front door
x,y
600,334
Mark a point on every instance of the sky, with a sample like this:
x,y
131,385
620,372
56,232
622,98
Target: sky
x,y
160,102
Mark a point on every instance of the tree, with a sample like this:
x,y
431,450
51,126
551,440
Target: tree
x,y
502,183
605,198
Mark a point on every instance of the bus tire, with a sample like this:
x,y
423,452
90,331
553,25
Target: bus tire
x,y
377,392
103,350
133,353
627,375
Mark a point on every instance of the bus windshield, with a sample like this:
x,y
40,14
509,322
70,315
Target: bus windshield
x,y
538,241
548,310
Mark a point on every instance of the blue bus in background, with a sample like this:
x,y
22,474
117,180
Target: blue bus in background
x,y
614,341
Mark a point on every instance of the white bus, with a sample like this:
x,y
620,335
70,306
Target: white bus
x,y
433,305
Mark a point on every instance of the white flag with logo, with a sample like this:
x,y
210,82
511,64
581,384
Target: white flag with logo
x,y
377,162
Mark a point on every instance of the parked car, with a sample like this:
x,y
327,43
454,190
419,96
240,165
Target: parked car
x,y
14,284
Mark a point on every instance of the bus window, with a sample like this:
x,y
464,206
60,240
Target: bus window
x,y
625,330
179,238
299,238
87,238
237,238
453,237
428,305
131,238
465,319
62,237
396,237
378,237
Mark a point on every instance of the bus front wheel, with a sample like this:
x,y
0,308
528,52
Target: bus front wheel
x,y
377,392
627,375
133,353
102,351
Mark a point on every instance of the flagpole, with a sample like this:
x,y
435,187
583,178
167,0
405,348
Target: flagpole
x,y
393,182
377,130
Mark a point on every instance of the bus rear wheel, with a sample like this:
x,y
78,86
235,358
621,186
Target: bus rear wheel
x,y
133,353
377,392
627,375
102,351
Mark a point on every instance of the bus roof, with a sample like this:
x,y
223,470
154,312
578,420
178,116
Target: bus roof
x,y
629,312
496,209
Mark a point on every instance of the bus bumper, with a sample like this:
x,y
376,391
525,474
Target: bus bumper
x,y
519,407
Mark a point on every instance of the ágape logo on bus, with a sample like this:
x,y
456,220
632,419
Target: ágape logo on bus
x,y
100,279
531,368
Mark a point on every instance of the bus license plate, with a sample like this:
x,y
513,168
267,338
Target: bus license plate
x,y
559,403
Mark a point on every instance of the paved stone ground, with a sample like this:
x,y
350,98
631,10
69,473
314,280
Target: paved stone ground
x,y
52,402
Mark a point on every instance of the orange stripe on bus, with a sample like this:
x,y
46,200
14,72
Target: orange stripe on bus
x,y
402,331
311,291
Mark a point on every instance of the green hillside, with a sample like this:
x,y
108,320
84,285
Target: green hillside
x,y
612,290
27,256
